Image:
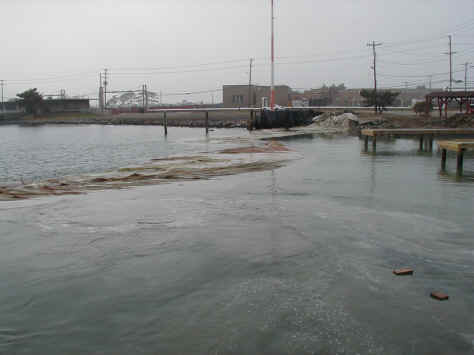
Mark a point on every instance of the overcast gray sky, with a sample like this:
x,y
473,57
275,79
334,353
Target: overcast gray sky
x,y
190,45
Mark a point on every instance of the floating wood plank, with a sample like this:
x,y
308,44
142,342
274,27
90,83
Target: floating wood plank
x,y
403,272
439,296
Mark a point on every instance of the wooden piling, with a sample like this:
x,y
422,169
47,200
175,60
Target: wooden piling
x,y
250,123
444,153
207,122
421,143
460,162
459,146
165,123
430,146
374,143
366,144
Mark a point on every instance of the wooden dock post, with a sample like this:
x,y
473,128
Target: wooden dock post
x,y
430,145
250,123
444,153
459,146
165,123
460,161
207,122
421,143
366,144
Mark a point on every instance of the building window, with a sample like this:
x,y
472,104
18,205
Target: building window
x,y
238,99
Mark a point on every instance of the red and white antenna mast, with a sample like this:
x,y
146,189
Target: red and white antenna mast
x,y
272,89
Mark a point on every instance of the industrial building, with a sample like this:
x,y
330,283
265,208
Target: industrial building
x,y
235,96
53,106
66,105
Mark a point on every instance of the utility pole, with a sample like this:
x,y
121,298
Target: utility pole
x,y
250,84
146,97
105,88
161,98
3,103
101,94
466,68
430,80
450,53
272,89
374,45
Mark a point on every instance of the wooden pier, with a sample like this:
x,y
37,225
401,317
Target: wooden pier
x,y
425,135
283,117
459,146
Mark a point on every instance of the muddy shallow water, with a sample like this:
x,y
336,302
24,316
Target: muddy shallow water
x,y
34,153
297,259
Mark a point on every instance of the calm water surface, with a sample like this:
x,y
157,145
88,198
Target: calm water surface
x,y
293,261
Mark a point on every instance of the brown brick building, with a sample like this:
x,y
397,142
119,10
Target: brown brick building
x,y
238,95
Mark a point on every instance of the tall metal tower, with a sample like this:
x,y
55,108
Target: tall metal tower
x,y
272,89
2,82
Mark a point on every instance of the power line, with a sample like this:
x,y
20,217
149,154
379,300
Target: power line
x,y
458,28
418,76
146,69
411,64
191,92
178,72
54,78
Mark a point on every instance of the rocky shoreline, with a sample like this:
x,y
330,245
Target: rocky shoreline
x,y
346,122
178,119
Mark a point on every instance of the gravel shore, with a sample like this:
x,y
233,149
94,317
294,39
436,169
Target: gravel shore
x,y
175,119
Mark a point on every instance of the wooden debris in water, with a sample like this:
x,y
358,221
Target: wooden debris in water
x,y
403,272
439,296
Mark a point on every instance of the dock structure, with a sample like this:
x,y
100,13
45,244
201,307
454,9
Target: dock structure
x,y
280,117
426,136
443,98
459,146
